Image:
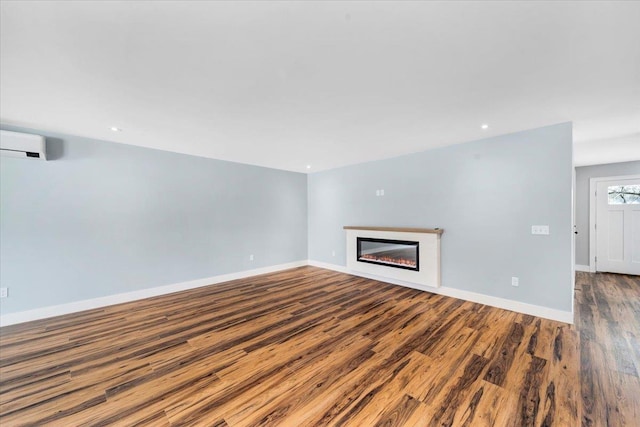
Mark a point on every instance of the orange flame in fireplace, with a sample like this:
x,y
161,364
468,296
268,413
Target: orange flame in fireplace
x,y
389,259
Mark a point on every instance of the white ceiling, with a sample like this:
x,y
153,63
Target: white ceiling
x,y
286,84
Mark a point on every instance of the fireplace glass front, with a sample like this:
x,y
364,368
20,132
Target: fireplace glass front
x,y
392,253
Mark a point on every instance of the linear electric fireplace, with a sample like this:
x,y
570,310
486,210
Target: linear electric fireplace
x,y
391,253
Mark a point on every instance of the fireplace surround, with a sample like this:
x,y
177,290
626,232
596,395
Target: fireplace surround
x,y
401,255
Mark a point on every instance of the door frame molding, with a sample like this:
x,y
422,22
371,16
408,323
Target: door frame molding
x,y
593,183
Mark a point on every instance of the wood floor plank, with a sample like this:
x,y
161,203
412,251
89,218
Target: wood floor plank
x,y
451,402
308,346
399,413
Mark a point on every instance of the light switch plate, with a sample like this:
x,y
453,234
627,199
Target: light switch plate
x,y
540,229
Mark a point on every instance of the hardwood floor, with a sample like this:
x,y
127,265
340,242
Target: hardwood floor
x,y
314,347
608,320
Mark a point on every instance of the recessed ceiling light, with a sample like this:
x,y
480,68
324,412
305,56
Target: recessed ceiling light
x,y
308,166
485,126
115,129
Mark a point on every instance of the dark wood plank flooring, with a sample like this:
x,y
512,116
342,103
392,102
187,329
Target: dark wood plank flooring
x,y
608,321
313,347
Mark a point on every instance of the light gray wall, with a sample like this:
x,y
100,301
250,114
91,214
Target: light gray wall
x,y
486,195
583,175
104,218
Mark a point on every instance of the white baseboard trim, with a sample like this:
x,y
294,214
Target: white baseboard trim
x,y
506,304
328,266
76,306
584,268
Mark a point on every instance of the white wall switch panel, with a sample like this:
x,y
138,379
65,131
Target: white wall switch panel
x,y
540,229
515,281
4,292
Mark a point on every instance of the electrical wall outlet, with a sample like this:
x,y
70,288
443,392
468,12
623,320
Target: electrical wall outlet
x,y
515,281
4,292
251,257
333,253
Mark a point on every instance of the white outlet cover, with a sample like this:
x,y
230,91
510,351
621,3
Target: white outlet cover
x,y
4,292
382,192
515,281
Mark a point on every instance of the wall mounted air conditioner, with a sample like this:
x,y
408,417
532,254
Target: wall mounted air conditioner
x,y
16,144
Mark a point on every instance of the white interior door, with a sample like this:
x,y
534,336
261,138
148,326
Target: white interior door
x,y
618,226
